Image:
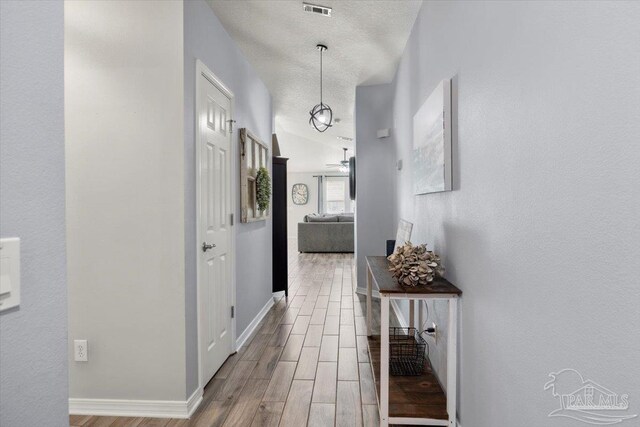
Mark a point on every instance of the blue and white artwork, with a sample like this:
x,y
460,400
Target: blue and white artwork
x,y
432,142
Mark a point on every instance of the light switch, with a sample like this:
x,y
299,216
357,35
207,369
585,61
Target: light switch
x,y
9,273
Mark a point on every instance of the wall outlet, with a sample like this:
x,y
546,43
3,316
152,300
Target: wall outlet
x,y
80,351
433,332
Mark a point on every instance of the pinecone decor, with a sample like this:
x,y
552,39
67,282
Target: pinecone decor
x,y
414,265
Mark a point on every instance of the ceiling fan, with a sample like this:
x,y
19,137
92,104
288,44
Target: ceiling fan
x,y
343,166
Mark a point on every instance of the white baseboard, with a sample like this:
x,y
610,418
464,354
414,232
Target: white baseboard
x,y
137,408
363,291
399,315
254,324
394,306
278,295
194,401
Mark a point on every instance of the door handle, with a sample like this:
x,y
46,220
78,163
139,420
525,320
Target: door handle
x,y
206,247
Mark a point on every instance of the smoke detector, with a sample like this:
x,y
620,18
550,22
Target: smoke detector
x,y
320,10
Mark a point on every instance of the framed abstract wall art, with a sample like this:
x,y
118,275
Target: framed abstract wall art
x,y
432,142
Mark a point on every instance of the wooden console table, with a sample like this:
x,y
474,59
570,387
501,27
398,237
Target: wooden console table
x,y
417,400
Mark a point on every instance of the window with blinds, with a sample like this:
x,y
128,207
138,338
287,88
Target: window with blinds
x,y
336,195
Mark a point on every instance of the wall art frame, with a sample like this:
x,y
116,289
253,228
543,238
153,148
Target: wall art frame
x,y
254,154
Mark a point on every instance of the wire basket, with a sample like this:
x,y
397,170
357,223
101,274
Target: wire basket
x,y
406,351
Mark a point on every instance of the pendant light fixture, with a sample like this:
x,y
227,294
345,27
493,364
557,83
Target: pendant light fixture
x,y
321,114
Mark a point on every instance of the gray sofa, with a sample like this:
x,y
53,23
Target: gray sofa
x,y
326,233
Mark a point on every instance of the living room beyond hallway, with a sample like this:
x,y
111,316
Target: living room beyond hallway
x,y
321,211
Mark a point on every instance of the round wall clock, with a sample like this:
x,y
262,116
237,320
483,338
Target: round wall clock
x,y
300,194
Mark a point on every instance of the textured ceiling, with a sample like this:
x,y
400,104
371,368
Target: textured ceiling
x,y
365,38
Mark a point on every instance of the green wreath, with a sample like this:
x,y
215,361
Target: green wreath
x,y
263,189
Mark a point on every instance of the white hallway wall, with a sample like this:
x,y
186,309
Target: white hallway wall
x,y
376,218
541,230
125,205
33,337
137,286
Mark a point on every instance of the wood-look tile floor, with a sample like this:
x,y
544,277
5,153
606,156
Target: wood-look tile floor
x,y
306,364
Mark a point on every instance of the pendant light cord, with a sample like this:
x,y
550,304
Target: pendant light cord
x,y
320,76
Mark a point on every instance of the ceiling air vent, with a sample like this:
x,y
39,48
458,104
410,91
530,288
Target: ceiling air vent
x,y
313,8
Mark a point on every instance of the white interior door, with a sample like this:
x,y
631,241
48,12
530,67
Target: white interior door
x,y
214,234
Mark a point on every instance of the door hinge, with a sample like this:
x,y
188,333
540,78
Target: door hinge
x,y
231,122
231,219
233,311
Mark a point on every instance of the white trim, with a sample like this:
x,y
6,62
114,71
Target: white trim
x,y
254,323
194,401
137,408
278,295
394,305
398,312
369,302
418,421
374,292
452,362
203,70
384,361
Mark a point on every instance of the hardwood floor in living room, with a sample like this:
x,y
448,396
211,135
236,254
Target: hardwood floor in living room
x,y
306,364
